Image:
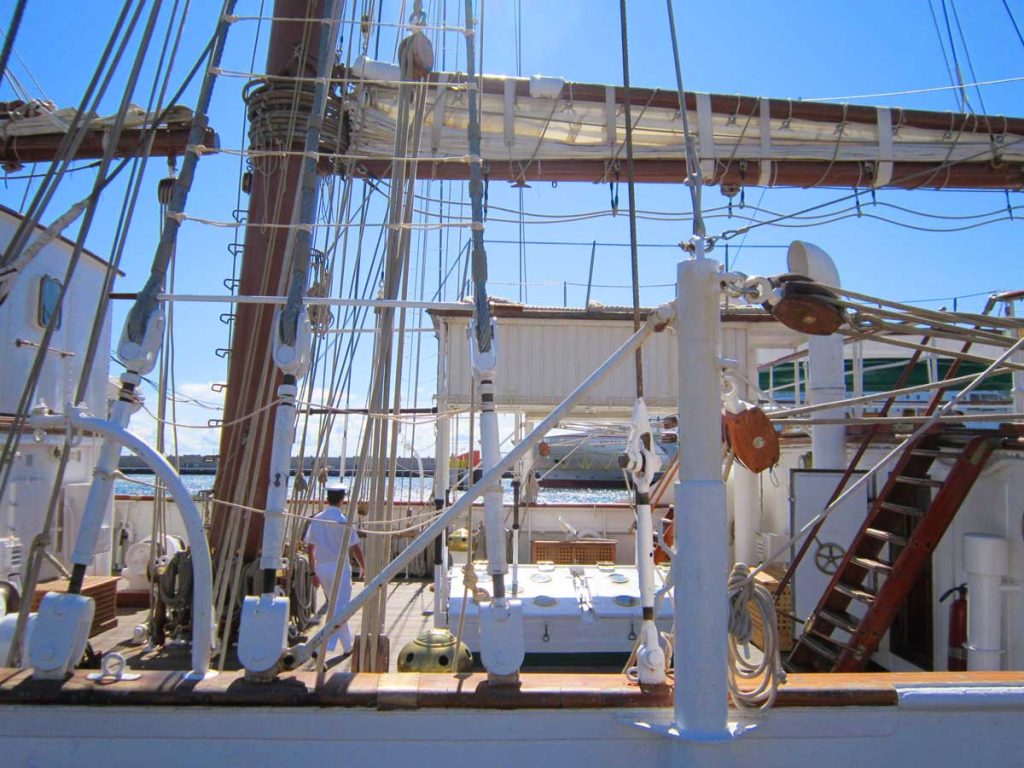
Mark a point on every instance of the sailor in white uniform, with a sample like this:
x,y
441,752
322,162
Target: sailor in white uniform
x,y
324,537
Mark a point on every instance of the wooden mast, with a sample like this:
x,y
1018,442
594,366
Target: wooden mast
x,y
243,470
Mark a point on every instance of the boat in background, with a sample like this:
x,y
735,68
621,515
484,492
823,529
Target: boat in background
x,y
590,460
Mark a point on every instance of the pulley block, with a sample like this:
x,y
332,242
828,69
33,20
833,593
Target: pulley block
x,y
752,439
806,306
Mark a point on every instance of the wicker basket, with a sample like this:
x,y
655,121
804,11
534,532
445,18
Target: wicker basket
x,y
580,552
770,578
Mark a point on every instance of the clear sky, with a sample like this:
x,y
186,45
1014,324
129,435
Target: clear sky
x,y
786,49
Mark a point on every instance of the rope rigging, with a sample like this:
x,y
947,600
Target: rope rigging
x,y
40,544
139,316
12,32
482,310
638,359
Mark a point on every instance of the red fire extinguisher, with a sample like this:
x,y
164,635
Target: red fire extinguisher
x,y
957,661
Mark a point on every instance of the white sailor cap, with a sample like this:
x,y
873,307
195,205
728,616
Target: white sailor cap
x,y
336,488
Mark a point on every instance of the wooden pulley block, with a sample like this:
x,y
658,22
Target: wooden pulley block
x,y
752,439
420,52
807,307
165,190
543,448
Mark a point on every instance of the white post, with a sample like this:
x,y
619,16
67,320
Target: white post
x,y
825,371
441,479
277,492
858,376
700,564
102,489
827,384
986,560
745,501
1018,375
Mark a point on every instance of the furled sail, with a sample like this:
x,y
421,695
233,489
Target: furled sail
x,y
548,129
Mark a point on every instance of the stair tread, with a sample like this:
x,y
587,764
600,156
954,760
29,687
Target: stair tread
x,y
970,453
821,635
871,564
855,593
903,509
927,482
886,536
818,645
935,452
844,620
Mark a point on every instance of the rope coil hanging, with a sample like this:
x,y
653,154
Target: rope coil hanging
x,y
745,593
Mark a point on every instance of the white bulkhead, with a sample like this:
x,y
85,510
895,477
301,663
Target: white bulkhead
x,y
23,317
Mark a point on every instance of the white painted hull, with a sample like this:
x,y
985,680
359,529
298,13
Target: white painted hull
x,y
938,727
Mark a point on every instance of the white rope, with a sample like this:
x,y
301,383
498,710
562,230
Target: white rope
x,y
239,420
743,592
427,517
935,89
183,217
201,149
233,18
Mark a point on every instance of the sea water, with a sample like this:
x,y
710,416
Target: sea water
x,y
407,489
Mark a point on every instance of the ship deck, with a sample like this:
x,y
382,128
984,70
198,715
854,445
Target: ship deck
x,y
410,607
163,680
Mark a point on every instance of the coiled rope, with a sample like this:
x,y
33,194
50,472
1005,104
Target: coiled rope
x,y
744,592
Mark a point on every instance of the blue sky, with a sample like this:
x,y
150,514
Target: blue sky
x,y
791,49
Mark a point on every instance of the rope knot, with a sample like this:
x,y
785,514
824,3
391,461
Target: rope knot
x,y
741,592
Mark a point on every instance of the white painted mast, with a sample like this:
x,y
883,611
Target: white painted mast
x,y
699,565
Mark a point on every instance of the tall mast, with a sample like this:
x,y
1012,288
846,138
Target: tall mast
x,y
243,471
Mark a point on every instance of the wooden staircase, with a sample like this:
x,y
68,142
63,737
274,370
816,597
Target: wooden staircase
x,y
902,519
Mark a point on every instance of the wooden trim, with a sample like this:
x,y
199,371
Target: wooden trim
x,y
41,148
392,691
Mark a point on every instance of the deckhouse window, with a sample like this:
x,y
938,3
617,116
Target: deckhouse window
x,y
49,294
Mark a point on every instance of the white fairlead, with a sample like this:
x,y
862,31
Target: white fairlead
x,y
263,632
643,463
502,645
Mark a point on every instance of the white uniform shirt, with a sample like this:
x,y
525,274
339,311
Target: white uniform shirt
x,y
326,533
